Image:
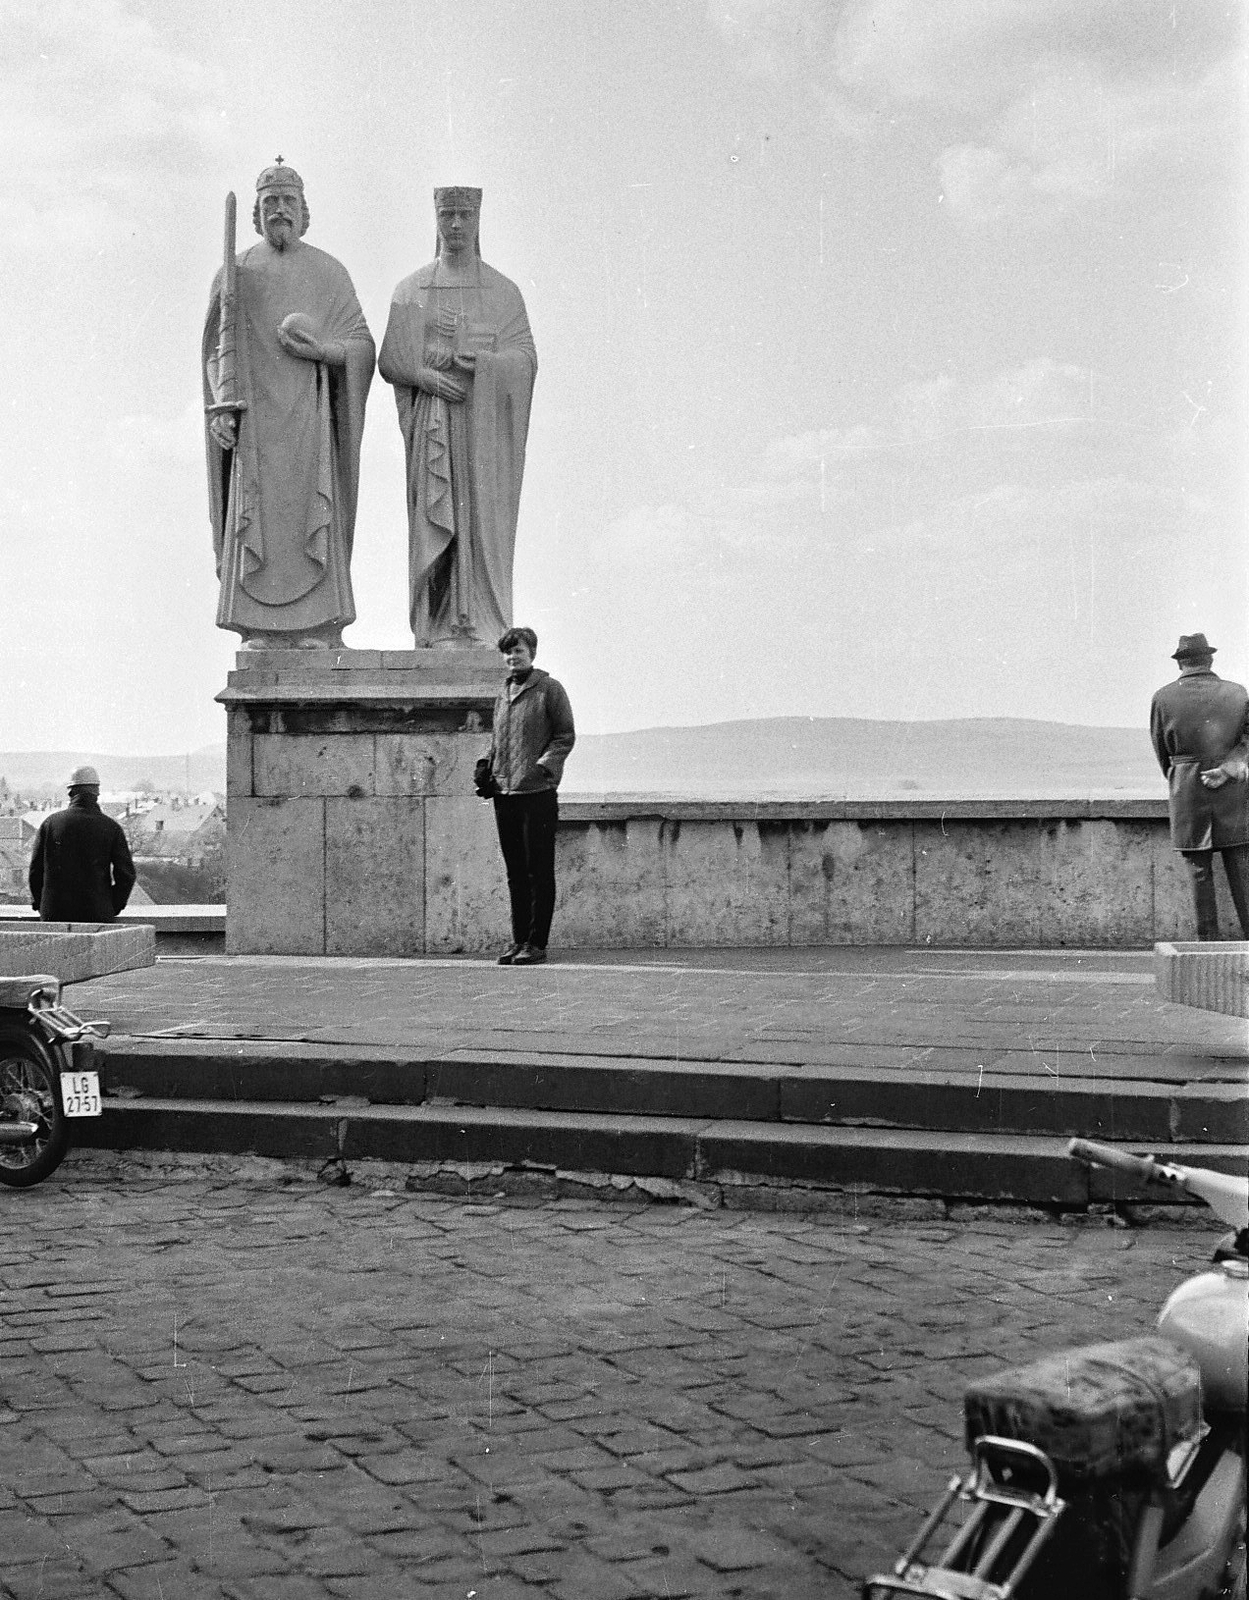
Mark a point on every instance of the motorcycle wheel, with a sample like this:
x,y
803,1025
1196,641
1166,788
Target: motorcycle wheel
x,y
30,1091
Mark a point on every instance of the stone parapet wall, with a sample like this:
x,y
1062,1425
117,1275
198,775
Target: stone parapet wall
x,y
999,873
353,830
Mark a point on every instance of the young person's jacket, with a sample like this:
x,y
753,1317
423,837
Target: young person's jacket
x,y
533,734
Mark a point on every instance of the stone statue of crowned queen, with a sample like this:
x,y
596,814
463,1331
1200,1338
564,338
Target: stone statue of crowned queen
x,y
461,358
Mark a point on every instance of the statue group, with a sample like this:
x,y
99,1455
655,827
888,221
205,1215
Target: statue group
x,y
287,364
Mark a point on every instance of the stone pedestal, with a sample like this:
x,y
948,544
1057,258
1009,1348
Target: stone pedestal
x,y
352,824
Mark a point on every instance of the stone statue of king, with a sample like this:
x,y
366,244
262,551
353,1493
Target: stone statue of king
x,y
287,362
460,355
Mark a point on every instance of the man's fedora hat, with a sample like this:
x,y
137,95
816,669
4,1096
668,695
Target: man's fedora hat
x,y
1190,645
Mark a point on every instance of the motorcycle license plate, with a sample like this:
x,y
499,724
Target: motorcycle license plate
x,y
80,1094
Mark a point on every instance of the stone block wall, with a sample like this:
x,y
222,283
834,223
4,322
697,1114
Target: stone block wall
x,y
992,874
353,830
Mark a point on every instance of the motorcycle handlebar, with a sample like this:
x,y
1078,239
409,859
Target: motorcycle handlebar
x,y
1144,1168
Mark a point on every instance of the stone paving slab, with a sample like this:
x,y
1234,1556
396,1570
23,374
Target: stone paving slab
x,y
223,1379
1030,1012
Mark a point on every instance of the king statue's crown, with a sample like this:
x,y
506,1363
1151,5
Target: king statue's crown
x,y
468,199
279,176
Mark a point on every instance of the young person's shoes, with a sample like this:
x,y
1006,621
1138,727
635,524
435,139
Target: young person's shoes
x,y
529,955
509,955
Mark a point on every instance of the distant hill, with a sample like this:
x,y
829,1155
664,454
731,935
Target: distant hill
x,y
33,771
850,758
780,757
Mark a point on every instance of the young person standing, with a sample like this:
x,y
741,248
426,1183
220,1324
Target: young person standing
x,y
533,733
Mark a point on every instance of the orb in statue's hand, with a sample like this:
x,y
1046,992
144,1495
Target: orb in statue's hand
x,y
300,325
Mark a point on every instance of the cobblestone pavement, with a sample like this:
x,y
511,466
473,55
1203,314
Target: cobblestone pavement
x,y
221,1378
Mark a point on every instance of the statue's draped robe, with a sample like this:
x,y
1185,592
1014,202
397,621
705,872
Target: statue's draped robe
x,y
283,501
464,472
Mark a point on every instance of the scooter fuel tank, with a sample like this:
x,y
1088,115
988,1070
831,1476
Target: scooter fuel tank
x,y
1209,1317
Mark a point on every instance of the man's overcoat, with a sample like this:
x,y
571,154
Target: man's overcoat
x,y
1196,723
81,870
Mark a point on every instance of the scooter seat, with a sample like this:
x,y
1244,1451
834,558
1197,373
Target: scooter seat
x,y
1100,1412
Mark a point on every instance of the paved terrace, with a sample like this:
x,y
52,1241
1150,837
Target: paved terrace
x,y
1052,1013
954,1074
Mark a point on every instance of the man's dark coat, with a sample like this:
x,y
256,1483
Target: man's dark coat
x,y
81,870
1196,723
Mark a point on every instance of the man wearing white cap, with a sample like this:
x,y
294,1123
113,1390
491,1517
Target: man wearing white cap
x,y
81,869
1200,730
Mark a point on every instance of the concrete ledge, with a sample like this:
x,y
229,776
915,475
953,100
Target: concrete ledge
x,y
575,807
1209,976
179,930
163,919
76,951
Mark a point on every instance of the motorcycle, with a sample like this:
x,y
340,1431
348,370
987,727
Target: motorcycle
x,y
1110,1472
49,1076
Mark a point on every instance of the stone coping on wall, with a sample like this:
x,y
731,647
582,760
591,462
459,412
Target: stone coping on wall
x,y
165,919
365,675
356,692
75,951
286,663
625,807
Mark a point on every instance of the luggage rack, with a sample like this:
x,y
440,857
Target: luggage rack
x,y
1013,1490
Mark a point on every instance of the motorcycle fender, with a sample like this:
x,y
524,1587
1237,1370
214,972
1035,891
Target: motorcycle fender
x,y
84,1056
1192,1563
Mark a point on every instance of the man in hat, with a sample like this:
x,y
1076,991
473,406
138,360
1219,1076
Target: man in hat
x,y
283,467
460,355
81,869
1200,730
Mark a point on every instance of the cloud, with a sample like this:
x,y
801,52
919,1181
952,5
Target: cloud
x,y
1032,107
949,466
1079,134
959,54
948,459
773,38
94,111
974,57
670,538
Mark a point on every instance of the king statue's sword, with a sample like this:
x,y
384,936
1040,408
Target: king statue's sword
x,y
227,375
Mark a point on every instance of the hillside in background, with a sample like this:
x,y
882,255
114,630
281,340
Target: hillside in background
x,y
781,757
29,772
843,757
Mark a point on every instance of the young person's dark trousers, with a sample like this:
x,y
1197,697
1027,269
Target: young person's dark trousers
x,y
1201,867
526,824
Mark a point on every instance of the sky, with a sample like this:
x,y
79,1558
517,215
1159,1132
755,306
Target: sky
x,y
891,354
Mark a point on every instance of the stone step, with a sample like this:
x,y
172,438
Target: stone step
x,y
1183,1110
727,1152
